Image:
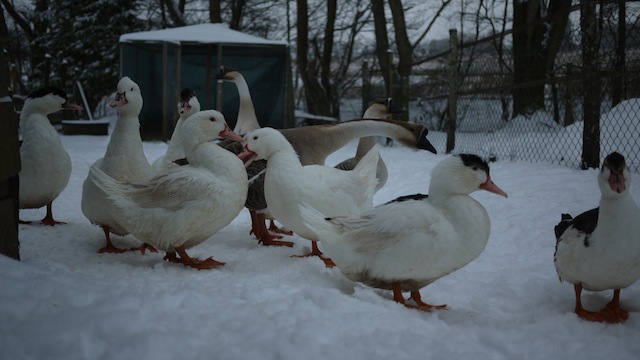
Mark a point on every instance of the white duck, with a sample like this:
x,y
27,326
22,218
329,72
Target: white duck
x,y
46,166
314,144
599,249
187,106
124,160
186,205
410,242
288,183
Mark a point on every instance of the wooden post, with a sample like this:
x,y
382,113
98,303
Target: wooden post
x,y
591,103
10,155
453,91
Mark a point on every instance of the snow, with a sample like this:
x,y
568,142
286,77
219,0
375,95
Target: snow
x,y
66,301
200,33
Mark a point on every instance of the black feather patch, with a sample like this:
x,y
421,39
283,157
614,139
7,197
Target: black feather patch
x,y
415,197
48,90
186,94
181,162
472,160
584,223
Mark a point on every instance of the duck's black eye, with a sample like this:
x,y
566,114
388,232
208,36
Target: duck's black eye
x,y
475,168
212,119
131,89
255,137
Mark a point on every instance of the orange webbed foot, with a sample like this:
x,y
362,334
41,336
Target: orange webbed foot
x,y
110,249
196,263
316,252
144,247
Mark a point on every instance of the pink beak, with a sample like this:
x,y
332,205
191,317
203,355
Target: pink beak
x,y
72,107
247,155
491,187
227,133
120,99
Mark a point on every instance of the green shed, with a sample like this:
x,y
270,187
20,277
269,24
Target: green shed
x,y
163,62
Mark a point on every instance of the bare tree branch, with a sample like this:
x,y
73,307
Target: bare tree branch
x,y
21,21
443,5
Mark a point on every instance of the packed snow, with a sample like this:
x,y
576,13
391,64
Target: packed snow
x,y
66,301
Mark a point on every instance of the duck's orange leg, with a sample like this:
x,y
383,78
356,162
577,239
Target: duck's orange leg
x,y
109,248
142,248
415,296
48,218
259,228
196,263
612,313
620,314
316,252
274,228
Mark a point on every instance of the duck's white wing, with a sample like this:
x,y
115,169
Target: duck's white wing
x,y
172,189
337,188
389,224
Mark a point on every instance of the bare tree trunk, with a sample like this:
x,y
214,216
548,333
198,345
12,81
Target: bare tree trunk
x,y
619,64
382,40
535,46
174,14
237,11
326,59
215,15
316,100
405,56
591,102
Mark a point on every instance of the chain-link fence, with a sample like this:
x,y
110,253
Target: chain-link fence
x,y
502,114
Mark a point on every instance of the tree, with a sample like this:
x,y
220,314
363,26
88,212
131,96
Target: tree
x,y
537,36
317,99
58,49
404,47
324,67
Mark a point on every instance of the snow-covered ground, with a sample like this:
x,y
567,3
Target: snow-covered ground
x,y
66,301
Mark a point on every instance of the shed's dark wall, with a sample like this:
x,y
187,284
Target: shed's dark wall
x,y
264,68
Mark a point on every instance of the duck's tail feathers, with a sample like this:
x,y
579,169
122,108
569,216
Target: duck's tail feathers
x,y
105,182
367,168
564,223
322,226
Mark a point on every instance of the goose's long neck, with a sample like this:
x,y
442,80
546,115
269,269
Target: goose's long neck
x,y
320,142
247,119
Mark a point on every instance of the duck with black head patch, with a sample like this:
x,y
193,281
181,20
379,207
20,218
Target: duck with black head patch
x,y
600,248
408,243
